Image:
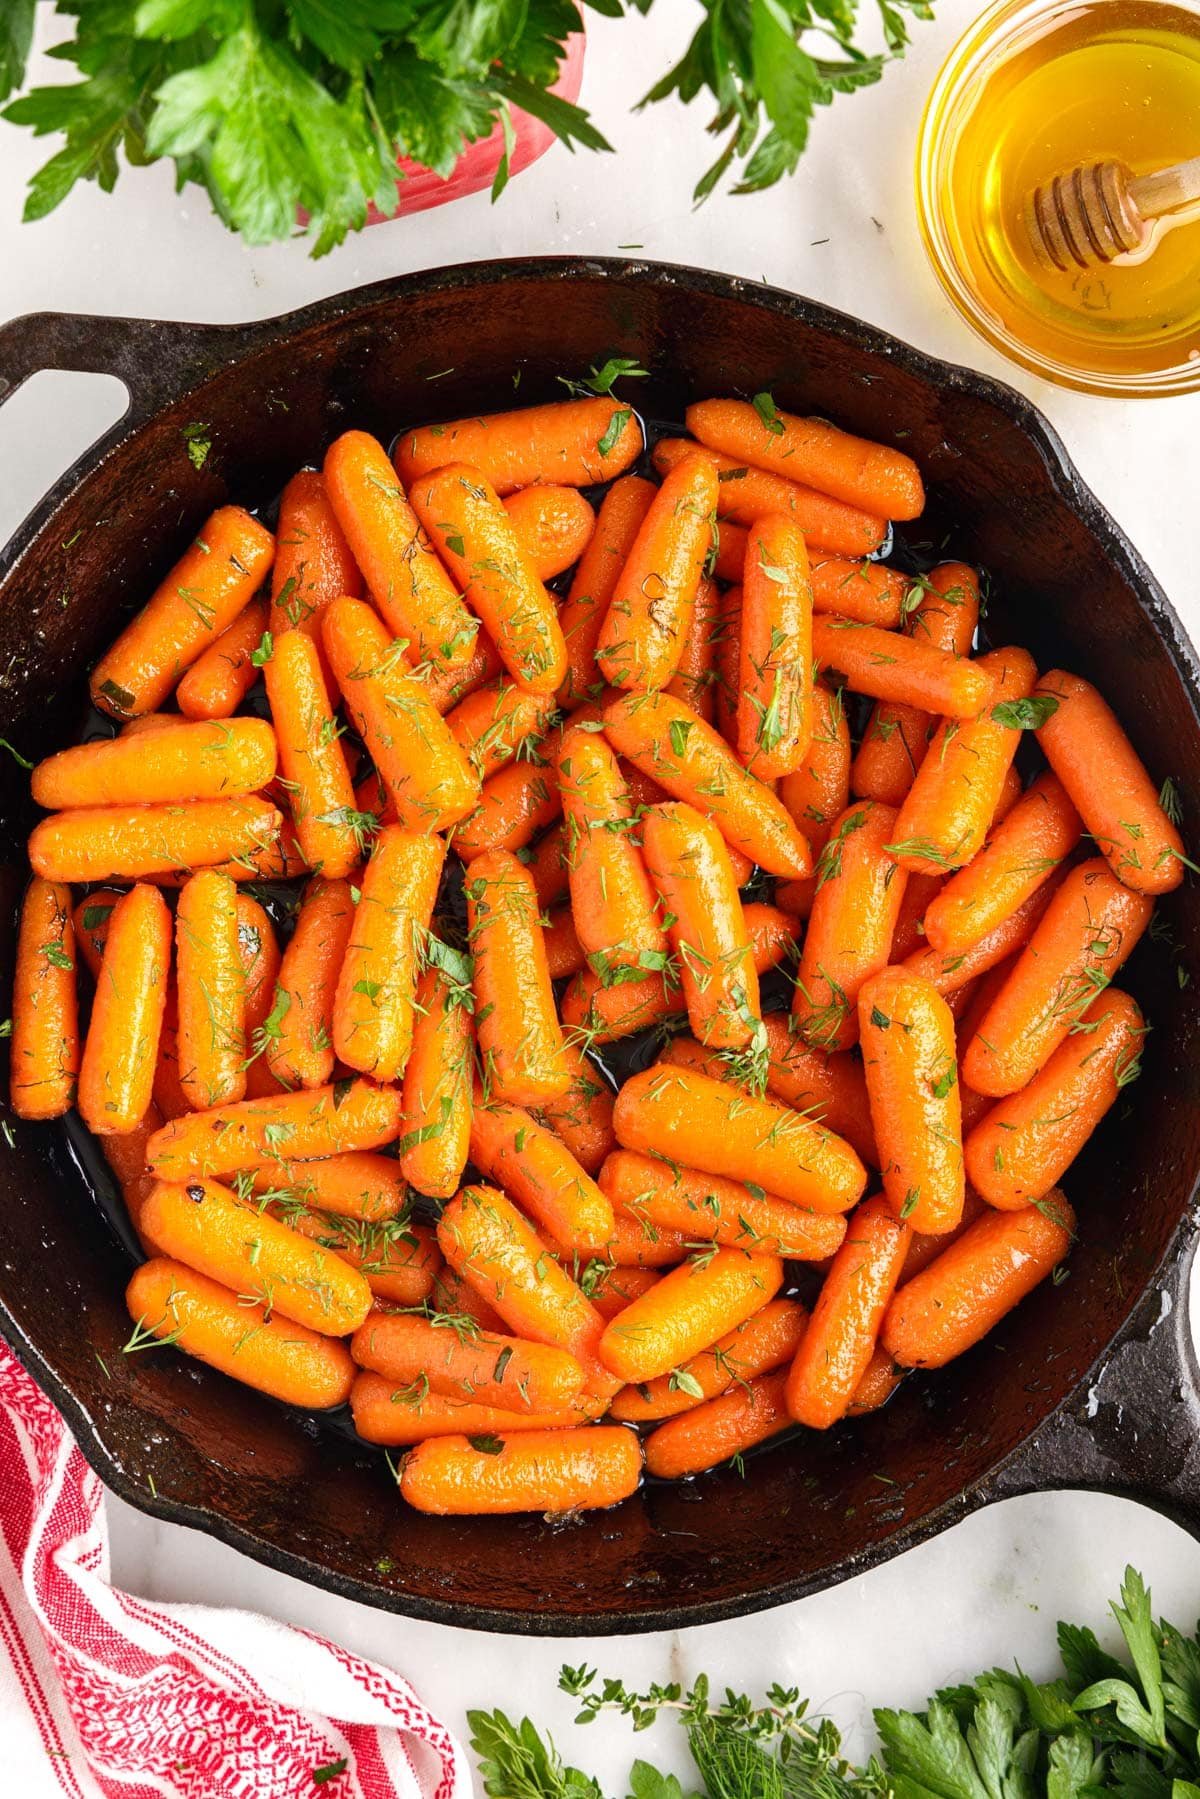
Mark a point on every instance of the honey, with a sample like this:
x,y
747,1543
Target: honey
x,y
1032,91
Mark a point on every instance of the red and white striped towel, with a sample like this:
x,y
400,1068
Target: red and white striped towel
x,y
104,1696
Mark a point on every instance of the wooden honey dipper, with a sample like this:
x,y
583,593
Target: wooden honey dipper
x,y
1100,210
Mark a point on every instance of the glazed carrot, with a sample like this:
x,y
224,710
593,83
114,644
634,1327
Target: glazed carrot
x,y
849,468
207,1321
564,953
836,1349
325,1121
437,1079
896,740
116,1075
125,1153
650,613
447,683
694,678
453,1297
582,1115
299,1050
1021,855
664,1197
1109,786
396,1416
569,443
855,907
500,1255
483,1367
746,494
219,680
536,1169
869,592
554,526
818,792
517,802
944,820
358,1184
640,1243
373,1004
45,1023
398,1259
674,746
211,992
313,562
705,1124
313,761
719,1430
207,1228
618,522
961,1296
889,666
491,725
194,762
687,1311
1090,928
877,1386
547,865
766,1340
466,522
912,1082
130,843
217,575
408,584
613,900
920,891
1024,1145
537,1471
616,1288
774,709
727,661
520,1041
949,974
277,857
688,864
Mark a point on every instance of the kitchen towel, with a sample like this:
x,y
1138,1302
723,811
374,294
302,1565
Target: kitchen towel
x,y
105,1696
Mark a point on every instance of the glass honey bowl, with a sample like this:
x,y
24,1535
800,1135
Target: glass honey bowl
x,y
1031,91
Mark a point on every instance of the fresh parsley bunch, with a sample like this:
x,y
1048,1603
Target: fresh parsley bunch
x,y
281,106
1103,1726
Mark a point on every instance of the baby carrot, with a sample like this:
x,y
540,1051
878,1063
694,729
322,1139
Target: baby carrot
x,y
520,1040
437,1078
219,680
896,740
662,1196
687,1311
491,725
1020,856
466,522
869,592
554,525
408,584
983,1274
849,468
618,522
1090,928
211,992
694,678
616,1288
920,890
125,1153
727,662
480,1366
950,974
325,1121
313,761
428,779
689,866
564,952
889,666
299,1050
373,1004
193,762
206,1227
547,865
116,1075
207,1321
130,843
453,1297
44,1062
1108,784
944,820
859,892
775,709
640,1243
536,1471
767,1339
569,443
213,580
518,800
650,613
313,562
877,1385
1026,1143
582,1115
447,683
720,1429
912,1082
613,901
674,746
396,1416
537,1170
398,1259
835,1351
702,1123
818,792
357,1184
746,494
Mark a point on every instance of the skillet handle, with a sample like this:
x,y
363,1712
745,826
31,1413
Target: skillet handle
x,y
155,359
1135,1429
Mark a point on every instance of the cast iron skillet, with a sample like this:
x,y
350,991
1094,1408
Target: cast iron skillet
x,y
1090,1383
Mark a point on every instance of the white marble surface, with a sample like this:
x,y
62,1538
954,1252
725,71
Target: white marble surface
x,y
843,231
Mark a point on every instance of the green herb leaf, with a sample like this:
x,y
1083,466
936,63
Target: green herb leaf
x,y
616,424
1025,715
766,408
487,1445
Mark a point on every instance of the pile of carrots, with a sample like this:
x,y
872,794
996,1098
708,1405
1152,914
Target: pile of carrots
x,y
379,1162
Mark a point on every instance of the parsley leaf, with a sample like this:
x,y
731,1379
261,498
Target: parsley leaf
x,y
1025,715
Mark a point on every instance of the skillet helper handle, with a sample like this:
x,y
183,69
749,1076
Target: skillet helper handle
x,y
1135,1429
155,359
